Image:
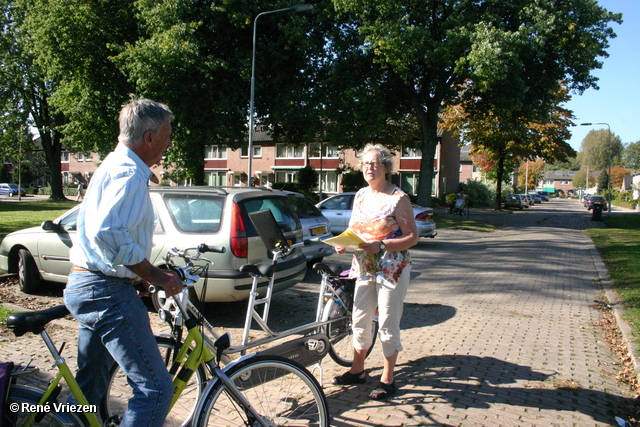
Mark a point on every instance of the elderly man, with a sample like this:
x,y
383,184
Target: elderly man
x,y
115,228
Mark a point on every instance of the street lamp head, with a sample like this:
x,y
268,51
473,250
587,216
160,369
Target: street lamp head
x,y
301,7
586,124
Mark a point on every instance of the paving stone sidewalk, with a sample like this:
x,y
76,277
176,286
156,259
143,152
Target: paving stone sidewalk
x,y
500,329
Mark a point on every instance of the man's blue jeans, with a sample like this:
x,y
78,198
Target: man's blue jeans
x,y
114,325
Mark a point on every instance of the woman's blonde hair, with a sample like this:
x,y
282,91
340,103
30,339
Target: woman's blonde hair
x,y
384,155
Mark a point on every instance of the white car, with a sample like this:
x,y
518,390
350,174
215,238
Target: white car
x,y
185,217
338,208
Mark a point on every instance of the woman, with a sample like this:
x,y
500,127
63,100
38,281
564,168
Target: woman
x,y
383,217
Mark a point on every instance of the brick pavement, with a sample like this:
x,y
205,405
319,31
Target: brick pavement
x,y
500,329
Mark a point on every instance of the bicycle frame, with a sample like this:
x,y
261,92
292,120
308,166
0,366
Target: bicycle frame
x,y
52,390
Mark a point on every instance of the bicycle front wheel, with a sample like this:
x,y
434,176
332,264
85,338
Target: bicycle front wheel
x,y
465,212
340,333
119,392
282,391
19,395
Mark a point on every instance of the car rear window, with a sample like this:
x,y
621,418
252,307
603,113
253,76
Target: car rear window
x,y
195,214
280,208
304,208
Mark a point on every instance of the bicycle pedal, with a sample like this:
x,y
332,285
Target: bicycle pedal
x,y
316,345
112,421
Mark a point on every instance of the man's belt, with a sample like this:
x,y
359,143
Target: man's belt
x,y
78,269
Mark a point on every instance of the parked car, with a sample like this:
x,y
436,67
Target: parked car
x,y
526,202
314,226
536,198
597,201
11,190
184,217
514,201
338,208
585,199
544,195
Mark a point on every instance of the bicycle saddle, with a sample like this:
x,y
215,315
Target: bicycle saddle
x,y
263,269
34,321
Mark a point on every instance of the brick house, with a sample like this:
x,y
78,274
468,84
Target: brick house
x,y
557,182
278,162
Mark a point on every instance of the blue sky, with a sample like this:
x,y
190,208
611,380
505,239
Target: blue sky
x,y
617,102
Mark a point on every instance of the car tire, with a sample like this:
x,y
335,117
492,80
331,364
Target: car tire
x,y
28,274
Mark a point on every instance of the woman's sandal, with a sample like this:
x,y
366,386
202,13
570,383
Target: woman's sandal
x,y
383,391
348,378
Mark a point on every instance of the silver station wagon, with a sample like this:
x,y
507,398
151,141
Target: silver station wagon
x,y
185,217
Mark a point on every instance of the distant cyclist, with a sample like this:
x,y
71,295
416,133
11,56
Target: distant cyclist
x,y
461,197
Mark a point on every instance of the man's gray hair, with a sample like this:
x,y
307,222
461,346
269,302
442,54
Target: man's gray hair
x,y
140,116
384,155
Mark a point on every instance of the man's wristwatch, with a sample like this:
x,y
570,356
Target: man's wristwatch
x,y
382,246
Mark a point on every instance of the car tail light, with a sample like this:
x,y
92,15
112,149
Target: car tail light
x,y
239,242
424,216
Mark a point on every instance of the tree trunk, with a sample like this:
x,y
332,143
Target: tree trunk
x,y
429,131
52,150
499,174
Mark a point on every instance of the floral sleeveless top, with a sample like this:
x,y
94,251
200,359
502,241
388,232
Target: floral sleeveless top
x,y
378,224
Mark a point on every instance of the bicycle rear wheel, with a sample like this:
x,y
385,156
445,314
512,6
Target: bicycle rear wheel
x,y
282,391
119,392
340,333
19,395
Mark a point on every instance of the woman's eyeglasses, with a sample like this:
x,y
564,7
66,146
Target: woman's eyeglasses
x,y
371,164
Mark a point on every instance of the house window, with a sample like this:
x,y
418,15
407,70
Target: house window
x,y
329,180
412,153
64,157
216,178
80,157
257,151
289,151
317,150
215,152
83,157
409,182
286,176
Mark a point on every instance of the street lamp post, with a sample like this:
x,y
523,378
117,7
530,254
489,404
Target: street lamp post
x,y
298,8
609,160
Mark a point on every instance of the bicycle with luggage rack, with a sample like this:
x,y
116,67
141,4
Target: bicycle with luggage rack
x,y
330,333
254,390
462,211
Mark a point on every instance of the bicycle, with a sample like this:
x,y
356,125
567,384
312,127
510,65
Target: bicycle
x,y
254,390
330,333
462,211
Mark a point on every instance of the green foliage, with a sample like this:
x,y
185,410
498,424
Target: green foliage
x,y
600,148
478,192
631,155
353,181
603,181
308,178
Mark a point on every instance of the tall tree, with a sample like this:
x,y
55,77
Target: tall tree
x,y
73,42
600,149
25,96
508,136
521,48
631,155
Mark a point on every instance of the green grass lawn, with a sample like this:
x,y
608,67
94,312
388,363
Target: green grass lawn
x,y
18,215
444,221
619,247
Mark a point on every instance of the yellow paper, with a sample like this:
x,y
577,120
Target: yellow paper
x,y
348,239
